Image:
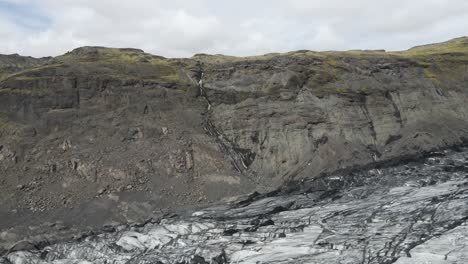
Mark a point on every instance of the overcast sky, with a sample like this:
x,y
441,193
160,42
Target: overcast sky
x,y
178,28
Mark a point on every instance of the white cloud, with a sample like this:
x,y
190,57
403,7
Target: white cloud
x,y
181,28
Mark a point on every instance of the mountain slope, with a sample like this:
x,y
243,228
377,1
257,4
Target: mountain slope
x,y
99,122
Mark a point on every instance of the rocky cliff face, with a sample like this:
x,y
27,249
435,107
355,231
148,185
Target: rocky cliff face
x,y
302,114
98,121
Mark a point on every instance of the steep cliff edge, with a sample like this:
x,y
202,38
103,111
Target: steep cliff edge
x,y
100,122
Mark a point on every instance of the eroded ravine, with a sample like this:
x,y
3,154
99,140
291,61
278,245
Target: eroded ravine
x,y
239,160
